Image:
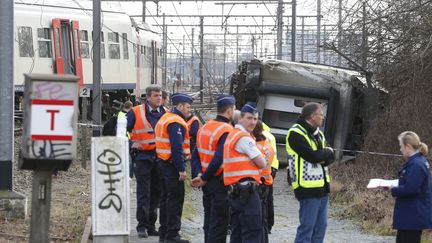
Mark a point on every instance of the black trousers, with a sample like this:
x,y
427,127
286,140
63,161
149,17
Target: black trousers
x,y
408,236
264,192
216,213
270,204
171,202
148,193
246,219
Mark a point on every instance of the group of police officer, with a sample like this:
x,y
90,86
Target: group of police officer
x,y
232,163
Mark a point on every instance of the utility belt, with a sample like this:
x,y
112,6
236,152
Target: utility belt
x,y
243,190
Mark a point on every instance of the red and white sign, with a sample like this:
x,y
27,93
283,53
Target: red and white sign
x,y
52,120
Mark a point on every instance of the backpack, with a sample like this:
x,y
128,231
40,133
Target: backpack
x,y
110,127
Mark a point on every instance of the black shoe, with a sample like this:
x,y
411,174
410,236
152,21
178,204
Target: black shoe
x,y
152,232
142,234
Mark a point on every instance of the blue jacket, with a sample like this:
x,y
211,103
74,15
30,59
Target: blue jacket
x,y
413,207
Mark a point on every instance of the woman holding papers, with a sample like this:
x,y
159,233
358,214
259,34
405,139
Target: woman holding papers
x,y
413,207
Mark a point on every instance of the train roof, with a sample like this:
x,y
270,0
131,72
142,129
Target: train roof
x,y
307,74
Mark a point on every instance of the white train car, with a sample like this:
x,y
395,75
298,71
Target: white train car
x,y
52,36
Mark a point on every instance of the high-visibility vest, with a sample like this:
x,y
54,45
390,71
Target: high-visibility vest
x,y
237,165
142,132
191,121
302,173
163,144
207,139
120,115
266,149
272,140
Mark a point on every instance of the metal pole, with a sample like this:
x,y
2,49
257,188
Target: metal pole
x,y
97,99
201,68
279,29
302,40
183,63
364,38
253,46
144,11
293,30
6,94
237,52
41,203
318,36
262,36
340,32
165,34
324,41
192,73
224,54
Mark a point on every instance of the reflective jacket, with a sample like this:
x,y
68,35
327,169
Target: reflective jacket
x,y
163,145
191,121
207,140
272,140
142,131
266,149
304,174
237,165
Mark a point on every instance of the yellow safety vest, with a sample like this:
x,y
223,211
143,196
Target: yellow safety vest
x,y
272,140
120,115
302,173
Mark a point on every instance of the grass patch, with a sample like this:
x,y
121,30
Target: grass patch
x,y
188,209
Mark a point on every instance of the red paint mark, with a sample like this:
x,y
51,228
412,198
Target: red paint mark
x,y
52,102
51,137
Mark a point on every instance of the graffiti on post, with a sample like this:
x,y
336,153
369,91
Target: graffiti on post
x,y
112,162
52,91
45,149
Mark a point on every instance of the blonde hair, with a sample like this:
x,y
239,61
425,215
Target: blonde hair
x,y
411,138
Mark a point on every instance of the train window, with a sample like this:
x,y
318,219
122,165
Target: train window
x,y
113,45
125,46
144,50
44,42
279,119
85,47
25,41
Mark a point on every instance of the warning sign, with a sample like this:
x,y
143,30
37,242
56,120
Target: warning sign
x,y
52,120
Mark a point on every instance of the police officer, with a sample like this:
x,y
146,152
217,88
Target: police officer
x,y
172,147
206,164
274,168
266,149
242,162
194,124
140,123
308,158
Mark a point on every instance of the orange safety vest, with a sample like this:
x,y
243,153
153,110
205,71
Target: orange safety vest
x,y
267,150
237,165
142,132
207,139
191,121
163,144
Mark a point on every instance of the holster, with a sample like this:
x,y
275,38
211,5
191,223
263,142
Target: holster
x,y
242,191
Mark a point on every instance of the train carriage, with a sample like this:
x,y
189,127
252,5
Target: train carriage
x,y
57,37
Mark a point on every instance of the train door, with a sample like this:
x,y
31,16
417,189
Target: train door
x,y
67,48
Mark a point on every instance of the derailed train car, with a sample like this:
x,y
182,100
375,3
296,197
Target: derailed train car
x,y
281,88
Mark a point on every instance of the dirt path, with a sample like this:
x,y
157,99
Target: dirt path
x,y
286,220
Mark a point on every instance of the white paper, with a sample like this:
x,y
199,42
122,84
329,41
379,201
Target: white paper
x,y
376,183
